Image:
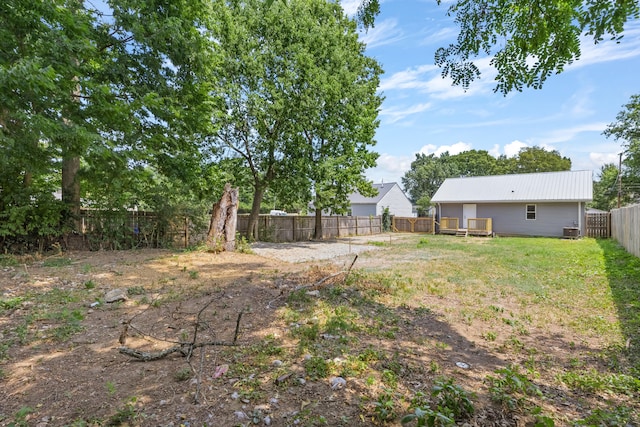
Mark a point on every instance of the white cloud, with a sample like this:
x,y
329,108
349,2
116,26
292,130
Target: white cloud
x,y
385,32
599,159
609,50
513,148
395,114
443,34
453,149
428,79
390,168
568,134
350,7
411,78
495,150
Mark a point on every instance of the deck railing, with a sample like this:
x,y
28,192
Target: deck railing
x,y
475,226
480,226
448,224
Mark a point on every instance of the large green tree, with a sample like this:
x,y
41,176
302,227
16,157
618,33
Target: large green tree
x,y
626,129
428,172
103,104
538,159
300,104
605,188
527,40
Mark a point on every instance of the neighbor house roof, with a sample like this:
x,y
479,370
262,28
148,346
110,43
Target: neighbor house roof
x,y
570,186
383,188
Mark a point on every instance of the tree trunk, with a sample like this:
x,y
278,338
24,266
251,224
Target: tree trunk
x,y
71,189
318,228
224,218
252,229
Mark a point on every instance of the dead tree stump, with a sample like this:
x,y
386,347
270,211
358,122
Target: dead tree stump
x,y
224,218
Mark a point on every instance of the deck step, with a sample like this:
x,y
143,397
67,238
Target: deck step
x,y
462,232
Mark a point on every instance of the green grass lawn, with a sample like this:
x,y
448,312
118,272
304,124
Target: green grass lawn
x,y
560,315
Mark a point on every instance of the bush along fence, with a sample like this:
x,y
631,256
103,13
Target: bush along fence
x,y
297,228
115,230
625,228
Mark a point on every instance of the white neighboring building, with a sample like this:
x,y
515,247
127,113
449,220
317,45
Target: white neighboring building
x,y
389,195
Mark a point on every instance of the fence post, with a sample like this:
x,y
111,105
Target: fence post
x,y
186,232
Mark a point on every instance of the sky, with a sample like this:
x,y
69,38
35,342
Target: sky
x,y
423,113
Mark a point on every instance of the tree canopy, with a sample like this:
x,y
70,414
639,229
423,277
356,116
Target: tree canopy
x,y
626,129
528,41
155,103
428,172
300,103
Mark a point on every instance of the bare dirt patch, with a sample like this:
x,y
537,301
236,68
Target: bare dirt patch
x,y
52,376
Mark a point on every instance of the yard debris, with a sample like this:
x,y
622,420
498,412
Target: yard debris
x,y
337,383
462,365
220,371
115,295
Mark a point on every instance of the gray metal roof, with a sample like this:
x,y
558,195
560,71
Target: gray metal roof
x,y
571,186
383,188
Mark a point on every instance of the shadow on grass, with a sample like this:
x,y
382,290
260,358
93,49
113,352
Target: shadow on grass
x,y
623,274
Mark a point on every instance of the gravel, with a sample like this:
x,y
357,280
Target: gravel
x,y
317,250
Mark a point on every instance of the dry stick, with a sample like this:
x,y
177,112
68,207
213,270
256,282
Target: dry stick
x,y
184,348
196,397
235,335
195,331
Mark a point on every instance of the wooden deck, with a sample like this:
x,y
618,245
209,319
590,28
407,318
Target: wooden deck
x,y
475,227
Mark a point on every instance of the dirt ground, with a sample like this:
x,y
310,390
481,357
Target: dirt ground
x,y
170,297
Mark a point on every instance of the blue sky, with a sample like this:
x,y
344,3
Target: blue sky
x,y
423,113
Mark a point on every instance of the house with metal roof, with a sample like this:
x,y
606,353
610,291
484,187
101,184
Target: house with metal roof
x,y
389,195
533,204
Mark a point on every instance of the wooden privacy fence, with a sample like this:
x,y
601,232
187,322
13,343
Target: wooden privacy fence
x,y
598,224
103,229
296,228
625,228
413,224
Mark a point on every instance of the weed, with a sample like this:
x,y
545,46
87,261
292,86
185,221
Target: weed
x,y
384,407
490,336
423,242
316,367
193,274
11,303
242,245
342,320
111,388
427,417
612,417
249,388
511,387
89,284
20,419
127,413
307,333
452,398
8,261
136,290
390,378
593,381
183,374
56,262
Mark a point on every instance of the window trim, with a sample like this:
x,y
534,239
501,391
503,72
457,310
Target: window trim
x,y
527,212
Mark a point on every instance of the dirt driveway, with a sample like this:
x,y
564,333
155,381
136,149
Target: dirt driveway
x,y
337,250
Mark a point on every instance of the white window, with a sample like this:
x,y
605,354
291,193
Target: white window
x,y
531,211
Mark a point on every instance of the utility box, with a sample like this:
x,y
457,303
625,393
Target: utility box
x,y
570,232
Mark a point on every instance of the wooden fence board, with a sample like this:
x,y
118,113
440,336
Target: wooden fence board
x,y
295,228
625,228
598,224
